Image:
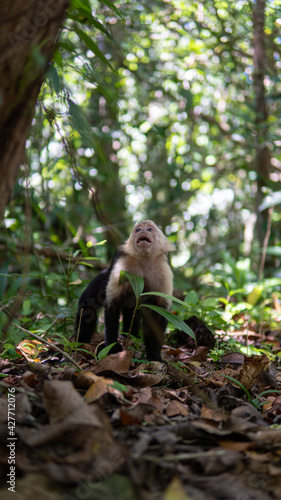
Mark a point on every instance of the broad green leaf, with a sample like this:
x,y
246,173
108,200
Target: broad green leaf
x,y
255,295
178,323
223,300
104,352
191,298
165,296
137,282
210,302
26,307
239,290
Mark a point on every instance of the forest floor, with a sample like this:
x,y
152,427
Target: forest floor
x,y
191,428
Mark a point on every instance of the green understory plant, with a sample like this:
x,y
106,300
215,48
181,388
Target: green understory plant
x,y
137,284
255,402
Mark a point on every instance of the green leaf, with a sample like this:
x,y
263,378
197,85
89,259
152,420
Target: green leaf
x,y
241,387
210,302
54,79
26,307
100,243
191,298
92,46
81,11
255,294
58,59
178,323
120,387
78,116
11,353
137,282
104,352
165,296
112,7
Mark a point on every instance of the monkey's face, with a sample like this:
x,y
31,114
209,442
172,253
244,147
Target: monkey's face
x,y
144,236
147,240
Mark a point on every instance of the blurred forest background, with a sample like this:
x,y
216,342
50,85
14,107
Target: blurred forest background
x,y
168,110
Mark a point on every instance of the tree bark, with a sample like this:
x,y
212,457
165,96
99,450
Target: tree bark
x,y
29,30
262,158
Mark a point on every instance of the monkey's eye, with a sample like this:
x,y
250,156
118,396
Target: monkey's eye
x,y
138,229
150,229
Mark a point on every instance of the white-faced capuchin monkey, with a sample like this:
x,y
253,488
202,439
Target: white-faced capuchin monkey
x,y
143,254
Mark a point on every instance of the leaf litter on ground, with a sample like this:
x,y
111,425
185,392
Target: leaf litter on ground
x,y
122,427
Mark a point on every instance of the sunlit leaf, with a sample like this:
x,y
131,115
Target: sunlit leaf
x,y
255,295
92,46
104,352
178,323
136,282
165,296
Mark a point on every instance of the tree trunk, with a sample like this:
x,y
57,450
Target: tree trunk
x,y
29,30
262,159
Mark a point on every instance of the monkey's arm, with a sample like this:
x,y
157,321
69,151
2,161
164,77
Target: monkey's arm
x,y
91,301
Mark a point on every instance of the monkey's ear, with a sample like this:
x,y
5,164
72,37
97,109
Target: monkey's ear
x,y
165,244
169,246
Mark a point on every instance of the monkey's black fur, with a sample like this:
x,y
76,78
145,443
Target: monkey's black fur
x,y
143,254
91,301
94,298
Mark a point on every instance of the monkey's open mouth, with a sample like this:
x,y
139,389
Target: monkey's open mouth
x,y
143,240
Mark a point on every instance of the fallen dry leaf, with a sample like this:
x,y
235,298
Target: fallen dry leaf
x,y
119,363
149,396
175,490
31,348
234,445
251,368
81,380
149,374
103,386
211,414
136,414
176,408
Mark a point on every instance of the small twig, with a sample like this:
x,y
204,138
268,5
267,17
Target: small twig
x,y
78,331
131,325
183,456
265,242
247,337
47,342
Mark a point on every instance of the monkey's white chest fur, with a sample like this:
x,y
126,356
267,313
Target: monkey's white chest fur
x,y
157,275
